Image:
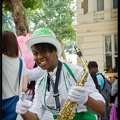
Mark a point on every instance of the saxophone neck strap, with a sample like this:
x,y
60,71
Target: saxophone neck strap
x,y
55,85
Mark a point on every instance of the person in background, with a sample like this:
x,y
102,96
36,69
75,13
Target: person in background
x,y
114,100
113,79
46,50
109,78
29,95
10,67
93,66
104,73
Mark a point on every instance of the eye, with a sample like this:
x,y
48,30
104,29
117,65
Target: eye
x,y
35,53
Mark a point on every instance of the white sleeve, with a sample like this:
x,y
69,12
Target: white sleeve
x,y
89,85
37,106
93,92
35,73
25,72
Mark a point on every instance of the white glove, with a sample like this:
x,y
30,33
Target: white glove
x,y
23,105
78,94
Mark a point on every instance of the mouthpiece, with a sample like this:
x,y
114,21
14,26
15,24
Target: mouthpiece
x,y
77,50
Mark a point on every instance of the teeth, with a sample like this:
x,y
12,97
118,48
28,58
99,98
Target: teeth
x,y
43,62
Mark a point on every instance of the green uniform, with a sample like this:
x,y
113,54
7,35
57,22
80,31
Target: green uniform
x,y
83,116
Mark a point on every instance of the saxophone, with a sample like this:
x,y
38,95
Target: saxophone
x,y
67,112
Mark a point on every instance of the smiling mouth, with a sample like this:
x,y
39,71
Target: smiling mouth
x,y
42,63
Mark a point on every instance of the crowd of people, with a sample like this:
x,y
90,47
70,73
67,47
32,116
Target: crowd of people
x,y
99,82
48,75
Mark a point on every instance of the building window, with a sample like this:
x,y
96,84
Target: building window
x,y
111,51
116,51
85,6
107,44
115,4
116,45
100,5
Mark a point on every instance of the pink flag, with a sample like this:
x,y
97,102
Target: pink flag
x,y
26,54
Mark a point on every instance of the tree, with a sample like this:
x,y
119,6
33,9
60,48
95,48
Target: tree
x,y
7,21
55,14
68,45
58,16
17,7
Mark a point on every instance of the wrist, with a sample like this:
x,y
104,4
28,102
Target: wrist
x,y
29,116
86,100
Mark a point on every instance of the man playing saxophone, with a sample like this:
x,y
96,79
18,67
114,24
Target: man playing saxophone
x,y
58,84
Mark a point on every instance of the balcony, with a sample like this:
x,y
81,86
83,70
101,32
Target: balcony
x,y
105,15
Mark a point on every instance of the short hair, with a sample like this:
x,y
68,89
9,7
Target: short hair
x,y
45,47
10,44
115,77
92,64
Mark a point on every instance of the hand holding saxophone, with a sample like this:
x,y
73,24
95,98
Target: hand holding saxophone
x,y
78,94
23,105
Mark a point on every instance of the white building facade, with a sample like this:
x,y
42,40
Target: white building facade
x,y
96,32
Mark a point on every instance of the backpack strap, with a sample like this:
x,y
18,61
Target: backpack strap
x,y
105,79
70,71
100,74
93,75
20,70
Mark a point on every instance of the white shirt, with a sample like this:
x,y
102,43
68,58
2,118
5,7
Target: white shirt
x,y
35,73
44,100
10,77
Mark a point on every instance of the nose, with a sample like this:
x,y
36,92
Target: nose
x,y
40,55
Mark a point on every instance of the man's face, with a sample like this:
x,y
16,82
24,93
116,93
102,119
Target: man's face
x,y
45,59
112,80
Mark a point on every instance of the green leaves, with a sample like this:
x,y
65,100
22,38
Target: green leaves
x,y
54,14
58,16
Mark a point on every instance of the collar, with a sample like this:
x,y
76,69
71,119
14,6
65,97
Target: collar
x,y
53,73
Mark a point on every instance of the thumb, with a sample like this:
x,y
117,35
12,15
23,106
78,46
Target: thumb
x,y
22,96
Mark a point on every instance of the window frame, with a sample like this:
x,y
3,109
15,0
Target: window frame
x,y
113,52
113,4
96,6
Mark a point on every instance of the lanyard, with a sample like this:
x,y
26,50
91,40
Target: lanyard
x,y
55,85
